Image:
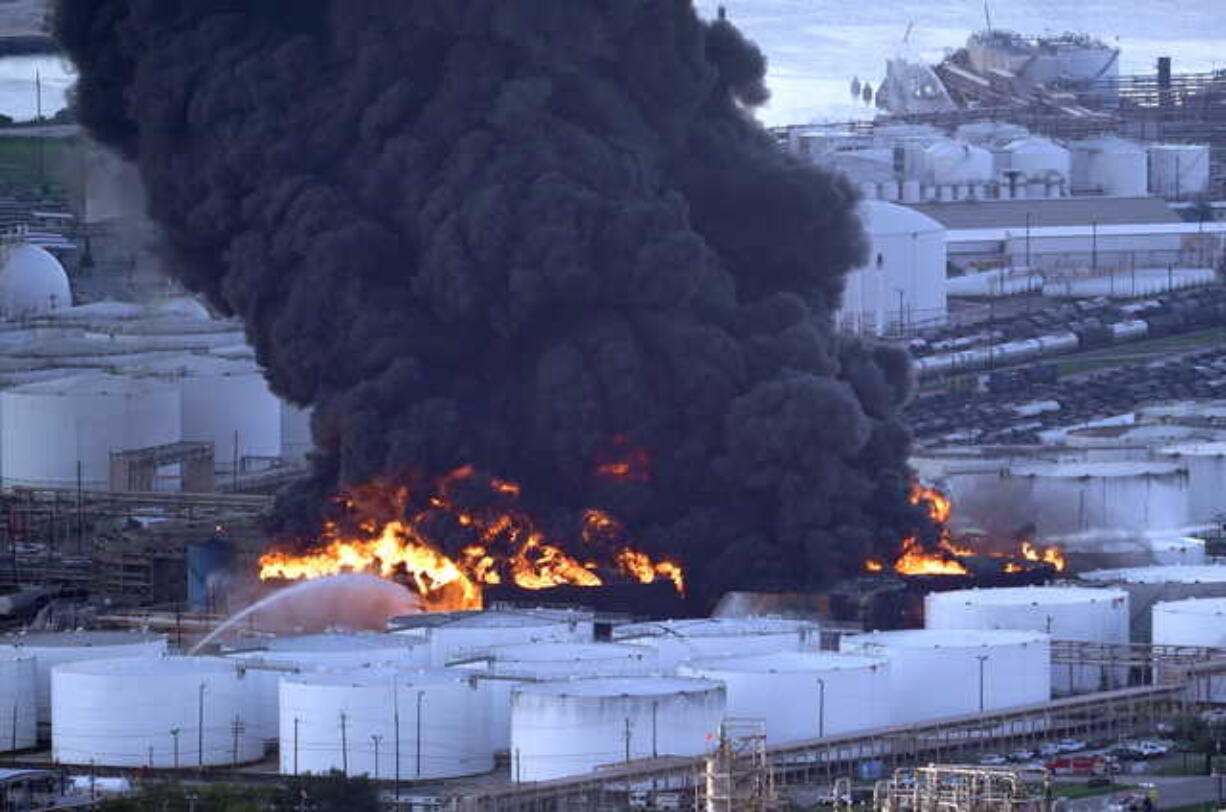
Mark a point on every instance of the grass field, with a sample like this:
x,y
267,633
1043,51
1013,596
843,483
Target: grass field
x,y
37,163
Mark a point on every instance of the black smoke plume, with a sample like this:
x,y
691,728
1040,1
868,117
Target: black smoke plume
x,y
520,234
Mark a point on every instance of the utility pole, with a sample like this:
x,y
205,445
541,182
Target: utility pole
x,y
626,736
200,729
376,738
296,721
982,658
174,732
821,707
417,742
344,745
236,729
396,722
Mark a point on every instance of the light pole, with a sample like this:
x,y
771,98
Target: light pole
x,y
420,695
982,658
174,732
376,738
396,738
200,728
821,707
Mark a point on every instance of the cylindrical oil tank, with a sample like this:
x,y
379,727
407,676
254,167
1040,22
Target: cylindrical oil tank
x,y
227,403
460,635
1136,441
53,431
275,658
53,648
1147,586
1110,166
1069,498
1194,622
826,693
677,641
1036,157
360,722
503,667
957,162
1178,171
990,133
572,727
152,712
1206,464
1064,613
936,673
296,440
1094,551
18,706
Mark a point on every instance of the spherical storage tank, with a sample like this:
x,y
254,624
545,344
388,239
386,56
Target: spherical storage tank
x,y
1178,171
679,640
147,712
18,705
463,635
227,403
1111,166
826,693
50,426
954,162
573,727
1130,496
906,253
359,722
1206,465
1064,613
32,282
1037,158
54,648
1147,586
504,667
936,673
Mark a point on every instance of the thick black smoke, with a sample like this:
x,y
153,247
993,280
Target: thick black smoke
x,y
521,234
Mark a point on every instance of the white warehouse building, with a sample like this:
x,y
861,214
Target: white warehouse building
x,y
902,286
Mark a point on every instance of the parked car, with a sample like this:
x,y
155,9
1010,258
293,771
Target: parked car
x,y
1048,749
993,760
1214,716
1149,748
1021,754
1083,765
1071,745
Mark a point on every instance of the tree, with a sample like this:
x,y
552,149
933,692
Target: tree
x,y
327,793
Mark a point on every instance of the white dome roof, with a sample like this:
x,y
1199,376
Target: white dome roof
x,y
881,219
32,282
1035,146
182,307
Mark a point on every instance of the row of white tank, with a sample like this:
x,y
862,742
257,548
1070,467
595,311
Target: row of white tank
x,y
82,383
923,164
439,698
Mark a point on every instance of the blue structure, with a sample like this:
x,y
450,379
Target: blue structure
x,y
209,564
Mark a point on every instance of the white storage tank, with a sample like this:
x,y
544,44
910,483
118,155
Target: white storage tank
x,y
802,695
279,656
53,648
459,635
1134,497
1090,551
1178,171
1062,612
18,703
147,712
677,641
1194,622
937,673
1136,441
1037,158
356,721
1110,166
296,439
1206,464
573,727
502,668
1147,586
903,281
32,282
227,403
949,162
51,426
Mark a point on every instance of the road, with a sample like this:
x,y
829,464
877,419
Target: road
x,y
1173,791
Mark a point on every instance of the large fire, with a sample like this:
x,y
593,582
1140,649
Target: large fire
x,y
503,545
947,556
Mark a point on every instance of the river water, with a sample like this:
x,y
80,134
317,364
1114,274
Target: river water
x,y
816,47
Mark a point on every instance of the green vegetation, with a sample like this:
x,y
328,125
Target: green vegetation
x,y
1083,790
330,793
33,167
1153,349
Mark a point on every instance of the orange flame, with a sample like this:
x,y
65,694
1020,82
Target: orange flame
x,y
623,461
506,546
914,559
